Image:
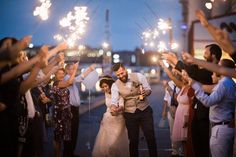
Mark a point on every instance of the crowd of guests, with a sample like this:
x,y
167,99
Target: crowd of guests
x,y
203,119
199,102
28,91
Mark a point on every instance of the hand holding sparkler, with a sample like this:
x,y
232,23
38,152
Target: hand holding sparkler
x,y
201,16
43,51
188,58
14,50
60,57
171,57
75,66
62,46
43,61
26,40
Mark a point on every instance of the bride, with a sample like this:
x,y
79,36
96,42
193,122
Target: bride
x,y
112,138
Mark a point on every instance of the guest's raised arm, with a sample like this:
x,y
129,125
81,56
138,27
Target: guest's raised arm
x,y
23,67
66,83
57,49
171,75
220,36
209,66
11,52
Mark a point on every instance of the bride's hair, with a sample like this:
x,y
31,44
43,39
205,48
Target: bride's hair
x,y
106,79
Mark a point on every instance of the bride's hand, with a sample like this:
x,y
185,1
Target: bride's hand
x,y
114,110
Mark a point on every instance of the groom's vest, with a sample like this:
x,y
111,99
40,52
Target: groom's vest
x,y
131,95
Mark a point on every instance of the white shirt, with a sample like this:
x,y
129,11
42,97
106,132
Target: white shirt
x,y
167,97
29,100
74,92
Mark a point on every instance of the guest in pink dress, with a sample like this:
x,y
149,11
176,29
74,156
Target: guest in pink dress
x,y
182,115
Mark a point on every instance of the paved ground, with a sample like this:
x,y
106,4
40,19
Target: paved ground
x,y
90,120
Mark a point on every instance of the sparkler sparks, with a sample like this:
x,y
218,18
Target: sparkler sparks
x,y
161,46
152,37
74,24
163,25
43,10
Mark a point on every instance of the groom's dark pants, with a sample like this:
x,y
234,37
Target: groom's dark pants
x,y
134,121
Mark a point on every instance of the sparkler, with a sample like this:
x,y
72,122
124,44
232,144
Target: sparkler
x,y
163,26
161,46
152,37
43,10
149,37
74,24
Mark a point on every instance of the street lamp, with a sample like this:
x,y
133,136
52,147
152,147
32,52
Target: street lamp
x,y
105,45
106,58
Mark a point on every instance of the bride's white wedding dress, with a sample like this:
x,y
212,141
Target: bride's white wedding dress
x,y
112,138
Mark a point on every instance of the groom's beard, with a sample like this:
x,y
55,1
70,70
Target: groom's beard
x,y
124,79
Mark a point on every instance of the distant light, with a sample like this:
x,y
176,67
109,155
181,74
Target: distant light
x,y
108,53
101,52
81,47
31,45
184,26
208,5
105,45
153,71
99,71
143,51
154,59
116,56
129,70
133,59
116,60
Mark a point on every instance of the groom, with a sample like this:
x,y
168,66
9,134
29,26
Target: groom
x,y
134,88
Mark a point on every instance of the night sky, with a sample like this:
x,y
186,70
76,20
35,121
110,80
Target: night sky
x,y
128,19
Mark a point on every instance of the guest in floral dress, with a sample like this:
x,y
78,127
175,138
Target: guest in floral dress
x,y
61,113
